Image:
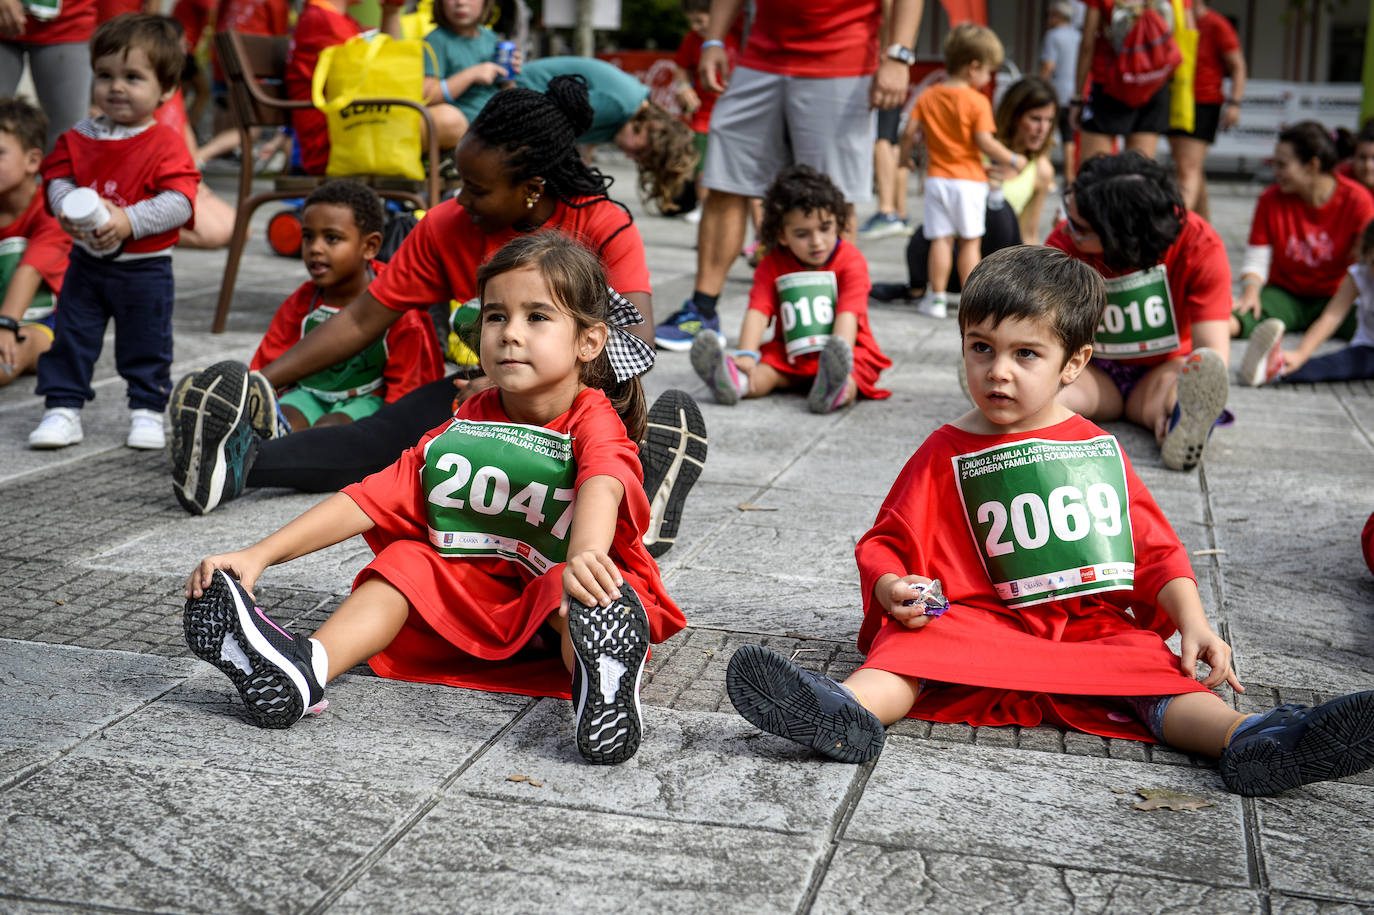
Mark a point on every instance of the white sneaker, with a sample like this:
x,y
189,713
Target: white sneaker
x,y
692,216
145,431
932,307
60,427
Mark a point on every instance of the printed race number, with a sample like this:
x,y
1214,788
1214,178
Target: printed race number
x,y
1135,317
1069,517
807,312
489,494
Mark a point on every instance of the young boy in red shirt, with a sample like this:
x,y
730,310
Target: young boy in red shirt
x,y
121,269
1065,578
33,247
341,231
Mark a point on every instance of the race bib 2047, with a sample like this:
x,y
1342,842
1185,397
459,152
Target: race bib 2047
x,y
500,489
1050,518
1139,317
807,302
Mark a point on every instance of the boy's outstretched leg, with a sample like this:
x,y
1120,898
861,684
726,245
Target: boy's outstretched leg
x,y
673,453
273,670
1296,745
777,696
609,647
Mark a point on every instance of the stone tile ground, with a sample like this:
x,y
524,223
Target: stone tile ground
x,y
131,782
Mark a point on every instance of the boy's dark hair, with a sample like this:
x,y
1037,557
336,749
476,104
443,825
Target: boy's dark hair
x,y
800,187
24,121
575,277
160,37
441,16
1311,141
968,44
696,6
368,211
1133,204
1036,283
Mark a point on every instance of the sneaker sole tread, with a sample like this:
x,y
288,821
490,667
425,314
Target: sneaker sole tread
x,y
208,414
1338,741
1203,389
673,457
609,732
1256,359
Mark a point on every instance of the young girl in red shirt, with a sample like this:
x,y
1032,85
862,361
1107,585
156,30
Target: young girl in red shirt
x,y
513,529
814,285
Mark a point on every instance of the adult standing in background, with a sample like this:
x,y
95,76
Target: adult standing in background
x,y
53,35
1059,66
1218,56
807,79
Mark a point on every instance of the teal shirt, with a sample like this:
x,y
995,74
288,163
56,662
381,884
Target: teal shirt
x,y
615,94
454,53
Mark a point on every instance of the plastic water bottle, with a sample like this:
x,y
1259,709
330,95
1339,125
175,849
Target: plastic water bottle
x,y
85,210
996,199
505,57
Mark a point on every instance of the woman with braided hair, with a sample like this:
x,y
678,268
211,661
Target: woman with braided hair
x,y
520,172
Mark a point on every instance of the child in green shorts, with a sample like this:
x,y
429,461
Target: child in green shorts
x,y
341,232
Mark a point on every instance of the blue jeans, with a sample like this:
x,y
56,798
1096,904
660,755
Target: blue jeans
x,y
1350,364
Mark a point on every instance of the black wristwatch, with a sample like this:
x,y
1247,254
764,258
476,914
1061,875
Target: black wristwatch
x,y
8,323
902,53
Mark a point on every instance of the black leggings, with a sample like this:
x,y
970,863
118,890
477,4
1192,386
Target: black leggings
x,y
328,458
1002,231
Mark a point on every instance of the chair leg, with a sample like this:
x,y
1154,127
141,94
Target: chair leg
x,y
231,268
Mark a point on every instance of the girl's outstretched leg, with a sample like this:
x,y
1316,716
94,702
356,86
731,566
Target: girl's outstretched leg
x,y
366,622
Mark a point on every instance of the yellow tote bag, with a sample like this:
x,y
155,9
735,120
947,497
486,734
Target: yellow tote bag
x,y
367,138
1181,101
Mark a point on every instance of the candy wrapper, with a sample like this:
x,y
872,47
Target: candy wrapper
x,y
931,597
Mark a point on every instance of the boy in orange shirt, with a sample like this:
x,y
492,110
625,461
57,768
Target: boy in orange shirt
x,y
956,118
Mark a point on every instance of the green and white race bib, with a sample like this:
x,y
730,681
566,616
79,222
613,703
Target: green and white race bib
x,y
500,489
11,252
1139,317
808,310
355,376
1051,519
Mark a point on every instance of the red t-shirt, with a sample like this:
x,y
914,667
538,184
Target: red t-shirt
x,y
1216,37
193,16
815,38
128,170
438,260
483,609
105,10
74,24
172,114
1010,658
48,247
1199,278
687,57
412,351
320,26
852,283
1312,245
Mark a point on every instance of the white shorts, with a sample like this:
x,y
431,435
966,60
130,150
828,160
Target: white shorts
x,y
955,206
766,121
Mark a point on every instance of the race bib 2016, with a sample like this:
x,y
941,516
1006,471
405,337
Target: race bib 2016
x,y
807,302
1139,317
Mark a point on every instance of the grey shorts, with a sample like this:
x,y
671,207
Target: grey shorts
x,y
765,122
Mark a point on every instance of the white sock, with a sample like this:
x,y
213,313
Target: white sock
x,y
937,298
319,662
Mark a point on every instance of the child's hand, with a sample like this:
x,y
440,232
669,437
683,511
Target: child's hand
x,y
1292,360
591,578
9,352
688,98
892,592
468,387
12,18
1205,645
1248,303
243,565
111,234
486,73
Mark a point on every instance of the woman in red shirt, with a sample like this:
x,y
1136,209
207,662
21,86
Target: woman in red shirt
x,y
1218,56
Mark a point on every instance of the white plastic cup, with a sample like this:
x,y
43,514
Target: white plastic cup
x,y
996,199
85,210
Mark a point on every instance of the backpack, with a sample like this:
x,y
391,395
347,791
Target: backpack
x,y
1142,33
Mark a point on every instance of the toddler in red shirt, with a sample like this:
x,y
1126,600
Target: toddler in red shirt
x,y
814,286
121,265
508,540
341,231
1064,577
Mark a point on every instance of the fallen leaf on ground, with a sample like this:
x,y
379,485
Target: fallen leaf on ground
x,y
1209,552
524,778
751,507
1163,798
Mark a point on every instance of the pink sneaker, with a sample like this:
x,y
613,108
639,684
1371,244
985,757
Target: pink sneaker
x,y
1263,360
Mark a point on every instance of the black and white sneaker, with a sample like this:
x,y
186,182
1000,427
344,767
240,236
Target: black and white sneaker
x,y
271,668
673,454
777,696
610,645
213,444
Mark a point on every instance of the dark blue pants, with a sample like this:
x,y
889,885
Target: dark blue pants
x,y
138,295
1353,363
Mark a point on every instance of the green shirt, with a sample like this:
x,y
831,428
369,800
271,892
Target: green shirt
x,y
453,53
615,94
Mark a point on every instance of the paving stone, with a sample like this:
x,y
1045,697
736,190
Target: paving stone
x,y
196,837
1288,905
1316,840
871,879
769,603
978,784
503,857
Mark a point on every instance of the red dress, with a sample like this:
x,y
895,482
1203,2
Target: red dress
x,y
997,665
471,617
851,278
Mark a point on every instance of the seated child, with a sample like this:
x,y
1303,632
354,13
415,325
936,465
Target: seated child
x,y
1060,615
1265,359
341,230
815,285
462,73
507,540
33,247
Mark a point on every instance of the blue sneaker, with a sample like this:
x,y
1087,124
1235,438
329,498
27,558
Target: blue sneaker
x,y
682,327
1296,745
882,225
777,696
213,442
